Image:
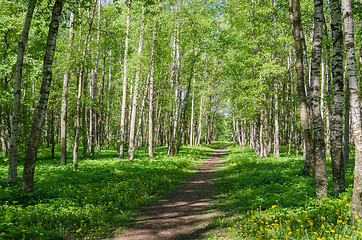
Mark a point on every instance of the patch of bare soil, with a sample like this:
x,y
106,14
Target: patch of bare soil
x,y
183,214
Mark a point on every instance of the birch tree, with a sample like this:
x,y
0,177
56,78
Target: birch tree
x,y
151,91
337,107
356,204
132,145
63,116
36,129
295,18
320,171
14,134
124,92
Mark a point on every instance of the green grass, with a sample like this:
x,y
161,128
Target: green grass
x,y
101,197
269,198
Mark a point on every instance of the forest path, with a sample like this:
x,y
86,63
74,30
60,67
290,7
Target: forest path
x,y
184,213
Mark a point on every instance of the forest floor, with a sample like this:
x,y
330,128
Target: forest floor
x,y
185,213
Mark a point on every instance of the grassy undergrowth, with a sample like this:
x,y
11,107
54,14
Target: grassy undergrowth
x,y
269,198
103,195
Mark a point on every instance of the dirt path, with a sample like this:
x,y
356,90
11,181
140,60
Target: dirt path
x,y
183,214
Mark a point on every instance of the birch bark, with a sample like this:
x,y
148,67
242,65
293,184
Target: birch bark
x,y
63,116
36,129
320,172
295,18
124,96
79,94
337,107
356,204
150,94
14,133
132,145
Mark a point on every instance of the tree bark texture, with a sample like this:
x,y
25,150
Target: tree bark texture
x,y
79,105
337,107
150,94
320,171
36,129
356,204
295,17
13,150
63,116
132,145
124,95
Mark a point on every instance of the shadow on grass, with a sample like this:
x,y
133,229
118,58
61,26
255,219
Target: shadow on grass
x,y
102,194
251,182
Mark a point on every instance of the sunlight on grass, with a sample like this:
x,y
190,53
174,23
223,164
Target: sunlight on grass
x,y
269,198
102,195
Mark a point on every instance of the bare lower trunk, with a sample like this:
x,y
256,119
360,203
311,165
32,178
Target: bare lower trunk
x,y
100,137
346,123
192,115
93,89
150,95
276,123
13,151
356,205
132,145
295,17
329,107
79,94
320,172
199,130
108,104
36,129
63,116
124,95
176,69
139,135
337,107
237,132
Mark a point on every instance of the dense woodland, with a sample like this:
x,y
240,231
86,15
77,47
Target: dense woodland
x,y
93,74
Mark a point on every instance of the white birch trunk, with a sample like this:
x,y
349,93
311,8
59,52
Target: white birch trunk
x,y
356,204
13,151
124,95
63,116
132,145
320,173
36,129
150,95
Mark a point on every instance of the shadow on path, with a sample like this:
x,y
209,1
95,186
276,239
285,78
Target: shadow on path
x,y
184,213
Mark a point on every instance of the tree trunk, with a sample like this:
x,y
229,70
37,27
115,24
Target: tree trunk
x,y
150,95
14,133
356,205
108,103
132,145
139,135
320,172
124,96
200,124
276,122
176,70
295,17
63,116
346,123
79,94
93,91
192,115
337,107
329,107
36,129
100,136
52,132
186,100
